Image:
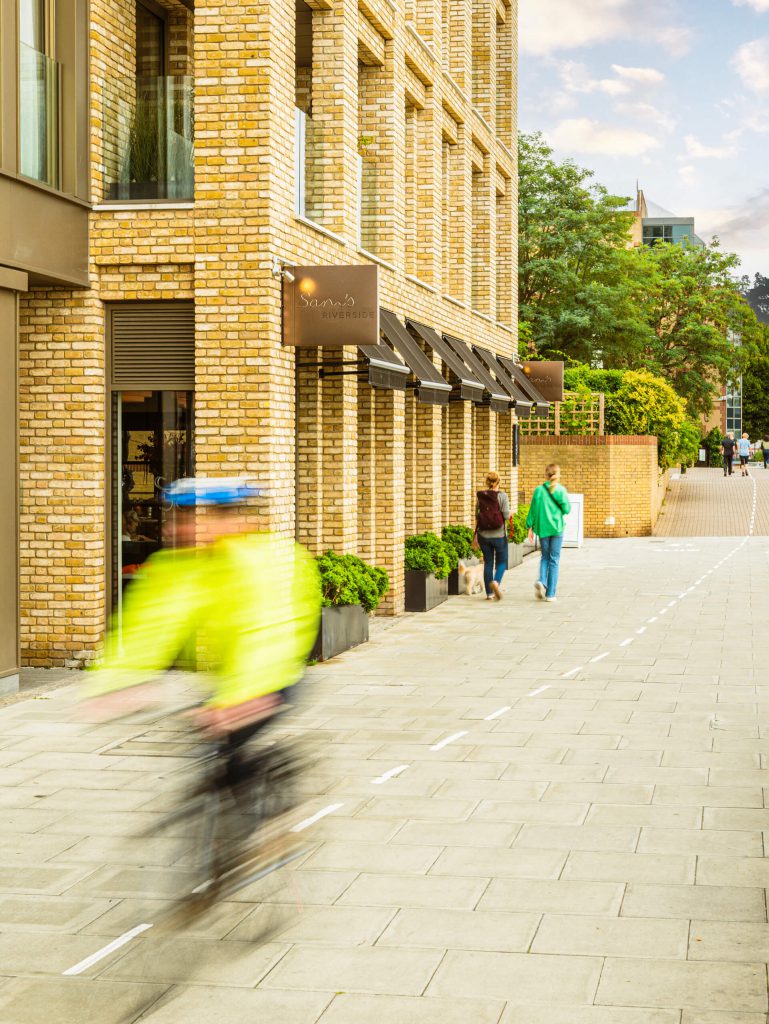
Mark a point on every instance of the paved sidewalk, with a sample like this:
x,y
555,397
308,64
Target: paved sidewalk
x,y
576,835
705,503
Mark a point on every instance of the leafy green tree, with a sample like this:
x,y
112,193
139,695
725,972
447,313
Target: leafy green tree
x,y
755,389
575,295
703,332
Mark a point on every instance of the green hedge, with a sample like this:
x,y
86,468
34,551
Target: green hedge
x,y
460,538
645,404
427,552
712,443
517,531
347,579
577,378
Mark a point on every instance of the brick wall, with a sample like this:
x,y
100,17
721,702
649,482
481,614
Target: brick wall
x,y
619,477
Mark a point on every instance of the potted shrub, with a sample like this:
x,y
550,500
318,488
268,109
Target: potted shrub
x,y
351,590
460,538
516,536
428,564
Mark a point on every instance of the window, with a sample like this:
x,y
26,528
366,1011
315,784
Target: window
x,y
653,233
38,94
734,408
149,130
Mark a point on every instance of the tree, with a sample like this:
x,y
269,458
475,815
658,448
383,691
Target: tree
x,y
703,332
575,296
755,389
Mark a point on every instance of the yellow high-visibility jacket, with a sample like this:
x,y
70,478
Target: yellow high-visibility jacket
x,y
250,603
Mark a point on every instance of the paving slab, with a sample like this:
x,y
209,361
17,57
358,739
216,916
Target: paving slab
x,y
355,1009
685,984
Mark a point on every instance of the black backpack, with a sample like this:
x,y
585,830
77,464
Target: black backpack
x,y
489,513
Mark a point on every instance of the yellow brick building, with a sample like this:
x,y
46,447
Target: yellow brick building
x,y
220,144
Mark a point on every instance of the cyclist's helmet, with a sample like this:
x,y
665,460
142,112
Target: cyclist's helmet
x,y
191,491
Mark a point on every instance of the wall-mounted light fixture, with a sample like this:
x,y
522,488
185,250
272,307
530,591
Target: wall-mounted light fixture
x,y
281,271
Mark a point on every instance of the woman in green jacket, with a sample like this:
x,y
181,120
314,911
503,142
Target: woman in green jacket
x,y
549,504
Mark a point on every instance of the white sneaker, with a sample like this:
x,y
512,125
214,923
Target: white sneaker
x,y
539,590
551,600
496,591
489,597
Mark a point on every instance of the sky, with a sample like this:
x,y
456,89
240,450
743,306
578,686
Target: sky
x,y
673,94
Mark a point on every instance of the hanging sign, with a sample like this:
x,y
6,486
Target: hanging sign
x,y
331,307
547,378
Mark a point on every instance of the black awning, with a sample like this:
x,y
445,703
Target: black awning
x,y
470,388
430,386
385,370
494,365
498,397
541,405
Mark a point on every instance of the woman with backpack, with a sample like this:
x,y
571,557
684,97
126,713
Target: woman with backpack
x,y
549,505
492,512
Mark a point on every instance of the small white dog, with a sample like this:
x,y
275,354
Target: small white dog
x,y
473,577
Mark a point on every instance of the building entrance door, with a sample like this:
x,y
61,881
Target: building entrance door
x,y
152,446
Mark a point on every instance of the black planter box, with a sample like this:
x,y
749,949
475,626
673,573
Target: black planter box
x,y
457,582
423,591
340,629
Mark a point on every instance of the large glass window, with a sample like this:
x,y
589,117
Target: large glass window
x,y
734,408
38,94
152,439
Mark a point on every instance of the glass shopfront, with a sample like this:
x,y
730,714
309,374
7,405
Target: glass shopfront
x,y
152,447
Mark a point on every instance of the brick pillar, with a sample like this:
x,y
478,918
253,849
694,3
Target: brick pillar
x,y
457,40
367,481
506,76
429,206
339,442
380,124
485,442
463,483
483,286
446,456
410,463
389,420
484,39
309,470
62,480
245,380
428,468
458,214
506,281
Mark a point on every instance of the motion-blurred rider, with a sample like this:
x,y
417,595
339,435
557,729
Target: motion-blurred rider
x,y
248,604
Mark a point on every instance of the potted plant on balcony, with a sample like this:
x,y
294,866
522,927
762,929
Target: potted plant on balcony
x,y
516,536
460,538
428,564
351,590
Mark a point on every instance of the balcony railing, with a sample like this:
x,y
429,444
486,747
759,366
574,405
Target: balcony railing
x,y
149,138
39,78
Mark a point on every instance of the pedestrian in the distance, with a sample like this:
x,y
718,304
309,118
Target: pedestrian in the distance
x,y
765,450
744,449
728,445
492,512
549,505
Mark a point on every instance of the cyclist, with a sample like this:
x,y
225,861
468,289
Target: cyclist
x,y
248,604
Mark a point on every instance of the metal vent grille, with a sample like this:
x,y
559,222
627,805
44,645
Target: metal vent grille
x,y
152,345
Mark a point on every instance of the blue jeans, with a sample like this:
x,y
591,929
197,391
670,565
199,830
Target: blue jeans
x,y
548,566
494,559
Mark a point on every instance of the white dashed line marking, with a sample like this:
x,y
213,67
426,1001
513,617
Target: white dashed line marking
x,y
652,619
626,642
572,672
389,775
116,944
641,630
449,739
534,693
316,817
497,713
599,657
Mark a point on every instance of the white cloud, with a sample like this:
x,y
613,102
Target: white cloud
x,y
576,78
688,174
551,25
758,5
649,113
698,151
582,135
644,76
751,62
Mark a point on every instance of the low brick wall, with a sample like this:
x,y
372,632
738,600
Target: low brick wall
x,y
619,477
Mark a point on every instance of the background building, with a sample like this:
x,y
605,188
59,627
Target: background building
x,y
144,264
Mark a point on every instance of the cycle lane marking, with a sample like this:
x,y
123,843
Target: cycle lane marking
x,y
111,947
